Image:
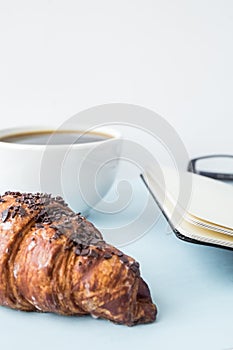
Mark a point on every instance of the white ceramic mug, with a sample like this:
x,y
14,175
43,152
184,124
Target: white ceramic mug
x,y
81,173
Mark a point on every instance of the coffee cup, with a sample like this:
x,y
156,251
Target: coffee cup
x,y
79,165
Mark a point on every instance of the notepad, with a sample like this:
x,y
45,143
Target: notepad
x,y
199,209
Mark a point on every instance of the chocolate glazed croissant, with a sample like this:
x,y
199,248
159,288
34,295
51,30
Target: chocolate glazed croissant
x,y
53,260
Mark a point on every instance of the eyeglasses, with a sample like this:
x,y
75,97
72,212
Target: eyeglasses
x,y
218,167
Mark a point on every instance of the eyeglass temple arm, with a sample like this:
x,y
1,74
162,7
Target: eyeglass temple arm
x,y
214,175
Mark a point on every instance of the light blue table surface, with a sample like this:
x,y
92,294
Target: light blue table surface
x,y
192,286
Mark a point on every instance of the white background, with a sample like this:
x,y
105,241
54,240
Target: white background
x,y
58,57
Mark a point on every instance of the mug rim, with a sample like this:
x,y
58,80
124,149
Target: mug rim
x,y
113,134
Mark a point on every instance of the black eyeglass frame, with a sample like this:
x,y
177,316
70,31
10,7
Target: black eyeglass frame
x,y
214,175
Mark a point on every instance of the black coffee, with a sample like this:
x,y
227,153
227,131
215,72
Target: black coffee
x,y
54,137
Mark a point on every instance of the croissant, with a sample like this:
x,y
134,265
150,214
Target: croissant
x,y
54,260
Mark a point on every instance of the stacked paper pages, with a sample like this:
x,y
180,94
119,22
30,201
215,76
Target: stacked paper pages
x,y
198,208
